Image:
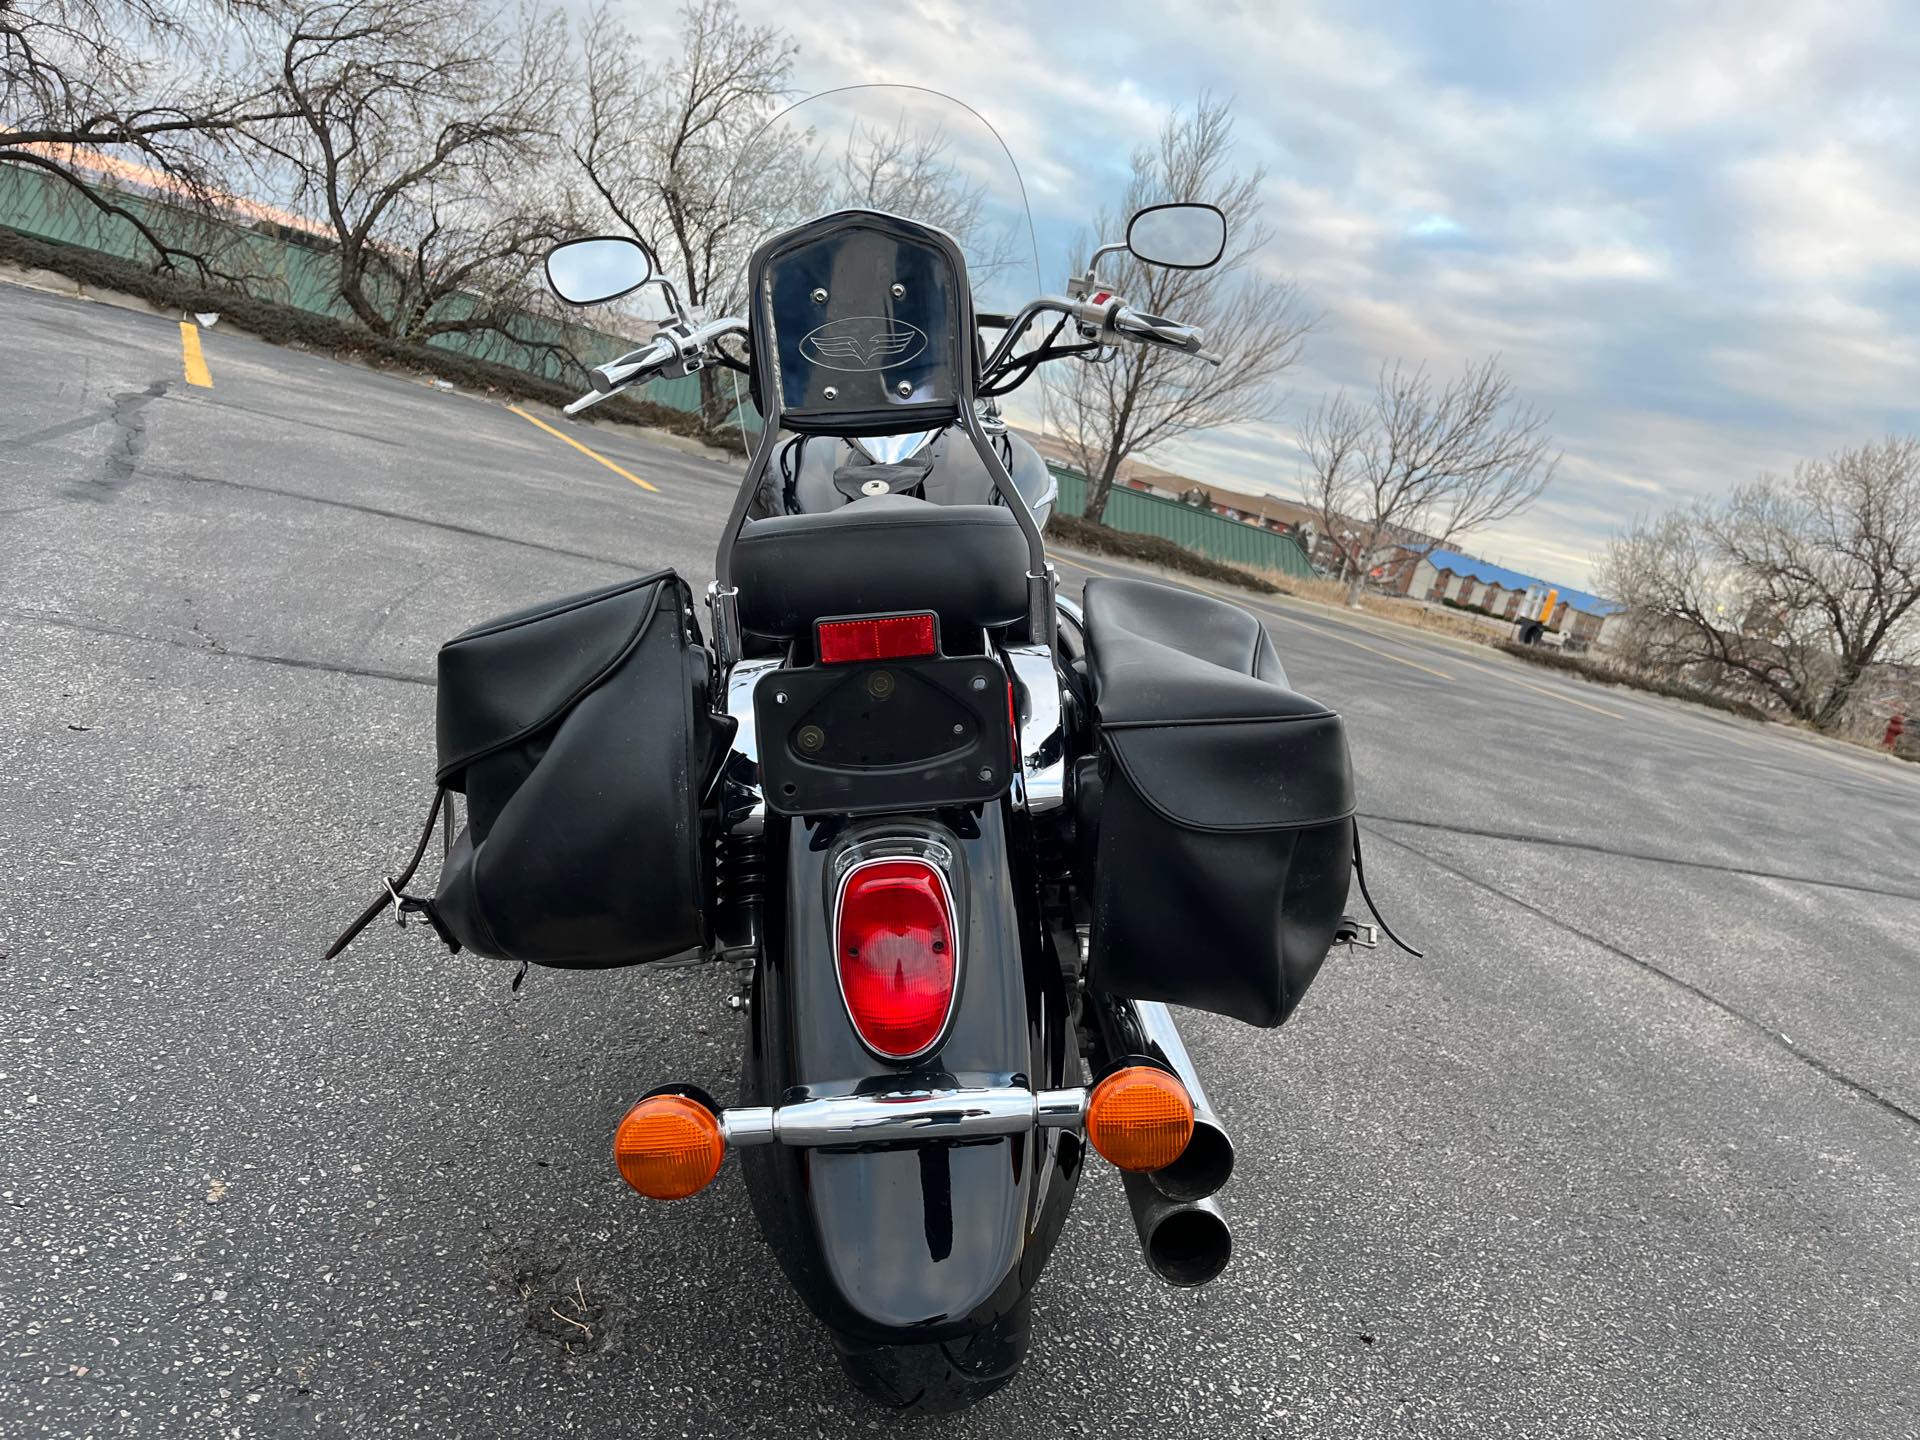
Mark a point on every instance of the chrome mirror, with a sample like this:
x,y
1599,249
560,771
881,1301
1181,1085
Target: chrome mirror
x,y
589,272
1180,237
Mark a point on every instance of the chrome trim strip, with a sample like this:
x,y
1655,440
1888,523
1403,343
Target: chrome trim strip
x,y
893,449
742,804
906,1116
1043,750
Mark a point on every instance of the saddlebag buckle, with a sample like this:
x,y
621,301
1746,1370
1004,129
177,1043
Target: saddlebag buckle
x,y
1351,932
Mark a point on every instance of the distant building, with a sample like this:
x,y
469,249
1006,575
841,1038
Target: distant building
x,y
1448,575
1404,562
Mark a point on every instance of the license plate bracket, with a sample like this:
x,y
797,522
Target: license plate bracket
x,y
890,735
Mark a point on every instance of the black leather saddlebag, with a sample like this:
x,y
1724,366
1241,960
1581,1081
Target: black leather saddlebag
x,y
580,735
1223,819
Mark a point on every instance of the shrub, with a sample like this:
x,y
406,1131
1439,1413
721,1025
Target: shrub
x,y
1591,668
1103,539
289,325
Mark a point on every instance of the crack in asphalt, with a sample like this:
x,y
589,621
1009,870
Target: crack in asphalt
x,y
1814,1062
1555,842
282,419
290,662
187,477
118,466
56,432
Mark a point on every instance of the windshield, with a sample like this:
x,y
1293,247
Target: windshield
x,y
915,153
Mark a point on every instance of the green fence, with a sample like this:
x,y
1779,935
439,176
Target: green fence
x,y
296,269
1233,541
291,268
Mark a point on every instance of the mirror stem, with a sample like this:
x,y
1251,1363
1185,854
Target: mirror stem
x,y
1112,247
673,299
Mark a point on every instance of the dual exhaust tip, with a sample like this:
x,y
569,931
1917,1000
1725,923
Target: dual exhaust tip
x,y
1184,1238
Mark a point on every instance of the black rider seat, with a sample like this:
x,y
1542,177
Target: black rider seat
x,y
1156,649
880,555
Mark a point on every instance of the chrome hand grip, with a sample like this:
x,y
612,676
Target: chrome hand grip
x,y
629,367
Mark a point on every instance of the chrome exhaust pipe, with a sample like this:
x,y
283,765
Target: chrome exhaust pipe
x,y
1145,1027
1186,1242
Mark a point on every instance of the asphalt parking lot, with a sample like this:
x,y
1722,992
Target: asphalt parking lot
x,y
1634,1152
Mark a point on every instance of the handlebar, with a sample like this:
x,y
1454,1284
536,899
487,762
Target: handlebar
x,y
1158,331
687,346
615,373
1107,315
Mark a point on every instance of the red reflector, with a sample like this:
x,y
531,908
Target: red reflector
x,y
894,942
881,637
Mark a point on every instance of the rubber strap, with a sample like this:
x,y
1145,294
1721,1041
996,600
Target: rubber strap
x,y
395,895
1360,874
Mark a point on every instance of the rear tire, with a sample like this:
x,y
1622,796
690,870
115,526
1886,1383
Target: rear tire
x,y
942,1377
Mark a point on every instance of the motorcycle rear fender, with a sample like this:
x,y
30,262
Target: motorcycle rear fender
x,y
925,1242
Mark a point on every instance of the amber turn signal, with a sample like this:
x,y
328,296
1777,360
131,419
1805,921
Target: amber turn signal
x,y
668,1147
1140,1118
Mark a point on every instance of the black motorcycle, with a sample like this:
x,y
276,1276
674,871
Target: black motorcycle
x,y
963,839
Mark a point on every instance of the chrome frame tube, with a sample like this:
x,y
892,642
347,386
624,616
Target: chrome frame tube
x,y
905,1117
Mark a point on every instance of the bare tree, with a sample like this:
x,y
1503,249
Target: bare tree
x,y
1333,438
663,145
1792,589
1144,396
1422,464
139,80
670,149
414,128
911,168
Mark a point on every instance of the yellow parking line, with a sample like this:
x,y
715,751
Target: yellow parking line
x,y
590,454
191,360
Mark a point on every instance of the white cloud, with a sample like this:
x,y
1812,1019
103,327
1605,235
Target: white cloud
x,y
1829,212
1693,233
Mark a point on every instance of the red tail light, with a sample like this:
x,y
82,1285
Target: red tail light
x,y
876,637
895,951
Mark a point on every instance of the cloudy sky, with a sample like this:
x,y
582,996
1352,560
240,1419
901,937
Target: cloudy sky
x,y
1693,231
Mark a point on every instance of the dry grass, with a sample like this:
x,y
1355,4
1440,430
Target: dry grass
x,y
1382,607
1590,667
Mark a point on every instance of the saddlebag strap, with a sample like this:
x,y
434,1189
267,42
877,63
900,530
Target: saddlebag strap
x,y
1360,874
395,894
